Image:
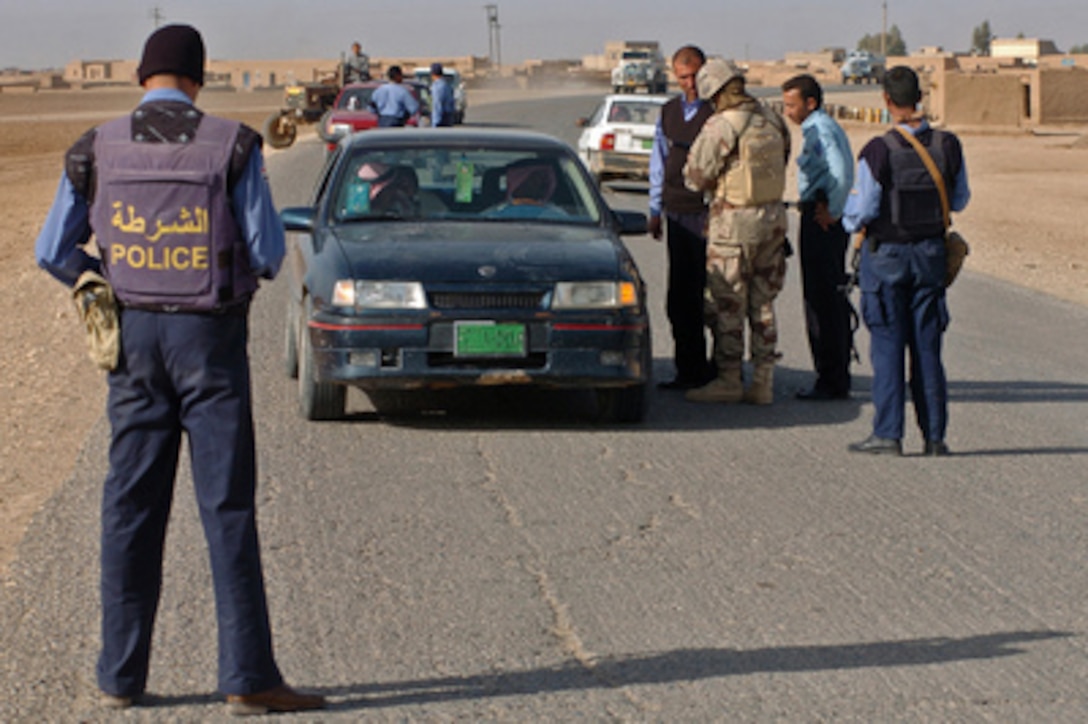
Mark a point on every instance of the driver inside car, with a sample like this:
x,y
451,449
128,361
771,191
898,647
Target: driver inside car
x,y
530,187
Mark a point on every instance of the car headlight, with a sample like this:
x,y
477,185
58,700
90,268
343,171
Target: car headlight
x,y
378,295
339,130
594,295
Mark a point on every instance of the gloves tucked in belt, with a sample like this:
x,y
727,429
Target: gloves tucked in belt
x,y
97,309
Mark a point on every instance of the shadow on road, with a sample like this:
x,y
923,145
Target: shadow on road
x,y
687,665
531,408
1016,391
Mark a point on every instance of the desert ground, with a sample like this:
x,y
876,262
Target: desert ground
x,y
1026,224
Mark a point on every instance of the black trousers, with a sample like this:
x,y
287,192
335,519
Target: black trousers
x,y
684,299
827,310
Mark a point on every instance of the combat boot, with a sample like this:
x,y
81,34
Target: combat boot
x,y
762,390
726,387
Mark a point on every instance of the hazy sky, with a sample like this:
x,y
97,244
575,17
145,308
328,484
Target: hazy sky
x,y
49,33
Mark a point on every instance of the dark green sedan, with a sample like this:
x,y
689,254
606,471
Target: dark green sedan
x,y
438,258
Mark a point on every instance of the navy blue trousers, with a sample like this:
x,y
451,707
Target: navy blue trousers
x,y
684,299
903,304
182,373
827,311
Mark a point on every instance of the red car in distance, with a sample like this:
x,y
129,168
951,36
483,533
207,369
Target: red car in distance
x,y
352,113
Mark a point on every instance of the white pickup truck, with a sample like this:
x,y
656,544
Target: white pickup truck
x,y
640,68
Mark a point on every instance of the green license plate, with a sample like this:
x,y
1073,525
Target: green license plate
x,y
489,339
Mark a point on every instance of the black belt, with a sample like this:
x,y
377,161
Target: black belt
x,y
236,309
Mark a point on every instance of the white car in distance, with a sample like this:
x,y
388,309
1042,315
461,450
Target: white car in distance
x,y
618,137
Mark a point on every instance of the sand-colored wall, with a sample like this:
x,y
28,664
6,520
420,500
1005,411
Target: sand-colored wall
x,y
1060,96
962,99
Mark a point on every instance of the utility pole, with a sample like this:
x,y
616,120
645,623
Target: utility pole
x,y
494,43
157,16
884,33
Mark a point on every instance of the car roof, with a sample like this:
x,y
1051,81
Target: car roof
x,y
457,137
427,69
363,84
649,98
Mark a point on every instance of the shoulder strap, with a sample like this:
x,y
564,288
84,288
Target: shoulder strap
x,y
933,171
736,113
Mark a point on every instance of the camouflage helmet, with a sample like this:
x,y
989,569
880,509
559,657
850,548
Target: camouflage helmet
x,y
714,75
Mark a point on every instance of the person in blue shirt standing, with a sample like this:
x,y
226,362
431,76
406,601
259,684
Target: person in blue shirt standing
x,y
825,173
682,117
443,110
183,218
392,101
896,203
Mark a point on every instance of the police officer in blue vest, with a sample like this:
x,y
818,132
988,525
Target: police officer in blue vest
x,y
897,204
183,219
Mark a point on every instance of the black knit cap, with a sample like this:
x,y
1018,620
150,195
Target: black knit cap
x,y
174,49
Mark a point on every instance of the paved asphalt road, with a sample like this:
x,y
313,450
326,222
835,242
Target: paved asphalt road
x,y
506,559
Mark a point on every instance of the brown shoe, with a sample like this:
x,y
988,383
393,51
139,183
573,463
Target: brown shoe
x,y
115,701
282,698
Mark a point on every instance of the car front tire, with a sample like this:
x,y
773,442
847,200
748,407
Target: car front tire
x,y
316,400
290,340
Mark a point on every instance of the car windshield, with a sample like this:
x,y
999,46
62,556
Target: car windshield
x,y
355,99
469,184
634,111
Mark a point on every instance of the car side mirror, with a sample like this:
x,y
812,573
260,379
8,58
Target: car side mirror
x,y
298,218
630,223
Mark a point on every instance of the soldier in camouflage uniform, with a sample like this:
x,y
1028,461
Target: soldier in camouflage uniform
x,y
739,161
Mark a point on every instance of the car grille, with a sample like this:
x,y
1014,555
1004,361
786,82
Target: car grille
x,y
480,300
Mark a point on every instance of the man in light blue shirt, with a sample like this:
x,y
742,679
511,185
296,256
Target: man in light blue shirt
x,y
825,173
443,111
393,102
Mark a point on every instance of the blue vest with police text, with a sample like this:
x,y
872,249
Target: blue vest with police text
x,y
162,219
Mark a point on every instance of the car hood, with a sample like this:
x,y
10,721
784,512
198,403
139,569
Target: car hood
x,y
496,252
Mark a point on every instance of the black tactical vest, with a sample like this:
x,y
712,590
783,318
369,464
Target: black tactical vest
x,y
910,210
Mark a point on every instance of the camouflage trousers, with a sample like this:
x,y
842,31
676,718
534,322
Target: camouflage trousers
x,y
745,271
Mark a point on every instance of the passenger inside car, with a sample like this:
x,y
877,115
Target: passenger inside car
x,y
384,190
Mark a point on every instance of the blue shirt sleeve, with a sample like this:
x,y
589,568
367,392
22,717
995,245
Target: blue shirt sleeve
x,y
258,220
961,193
863,204
67,228
657,169
411,105
825,163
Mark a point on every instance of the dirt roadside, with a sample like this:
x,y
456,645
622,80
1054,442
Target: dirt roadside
x,y
1026,224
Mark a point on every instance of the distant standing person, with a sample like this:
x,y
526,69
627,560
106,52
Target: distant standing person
x,y
356,65
180,209
739,159
681,120
443,110
392,101
825,173
897,203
